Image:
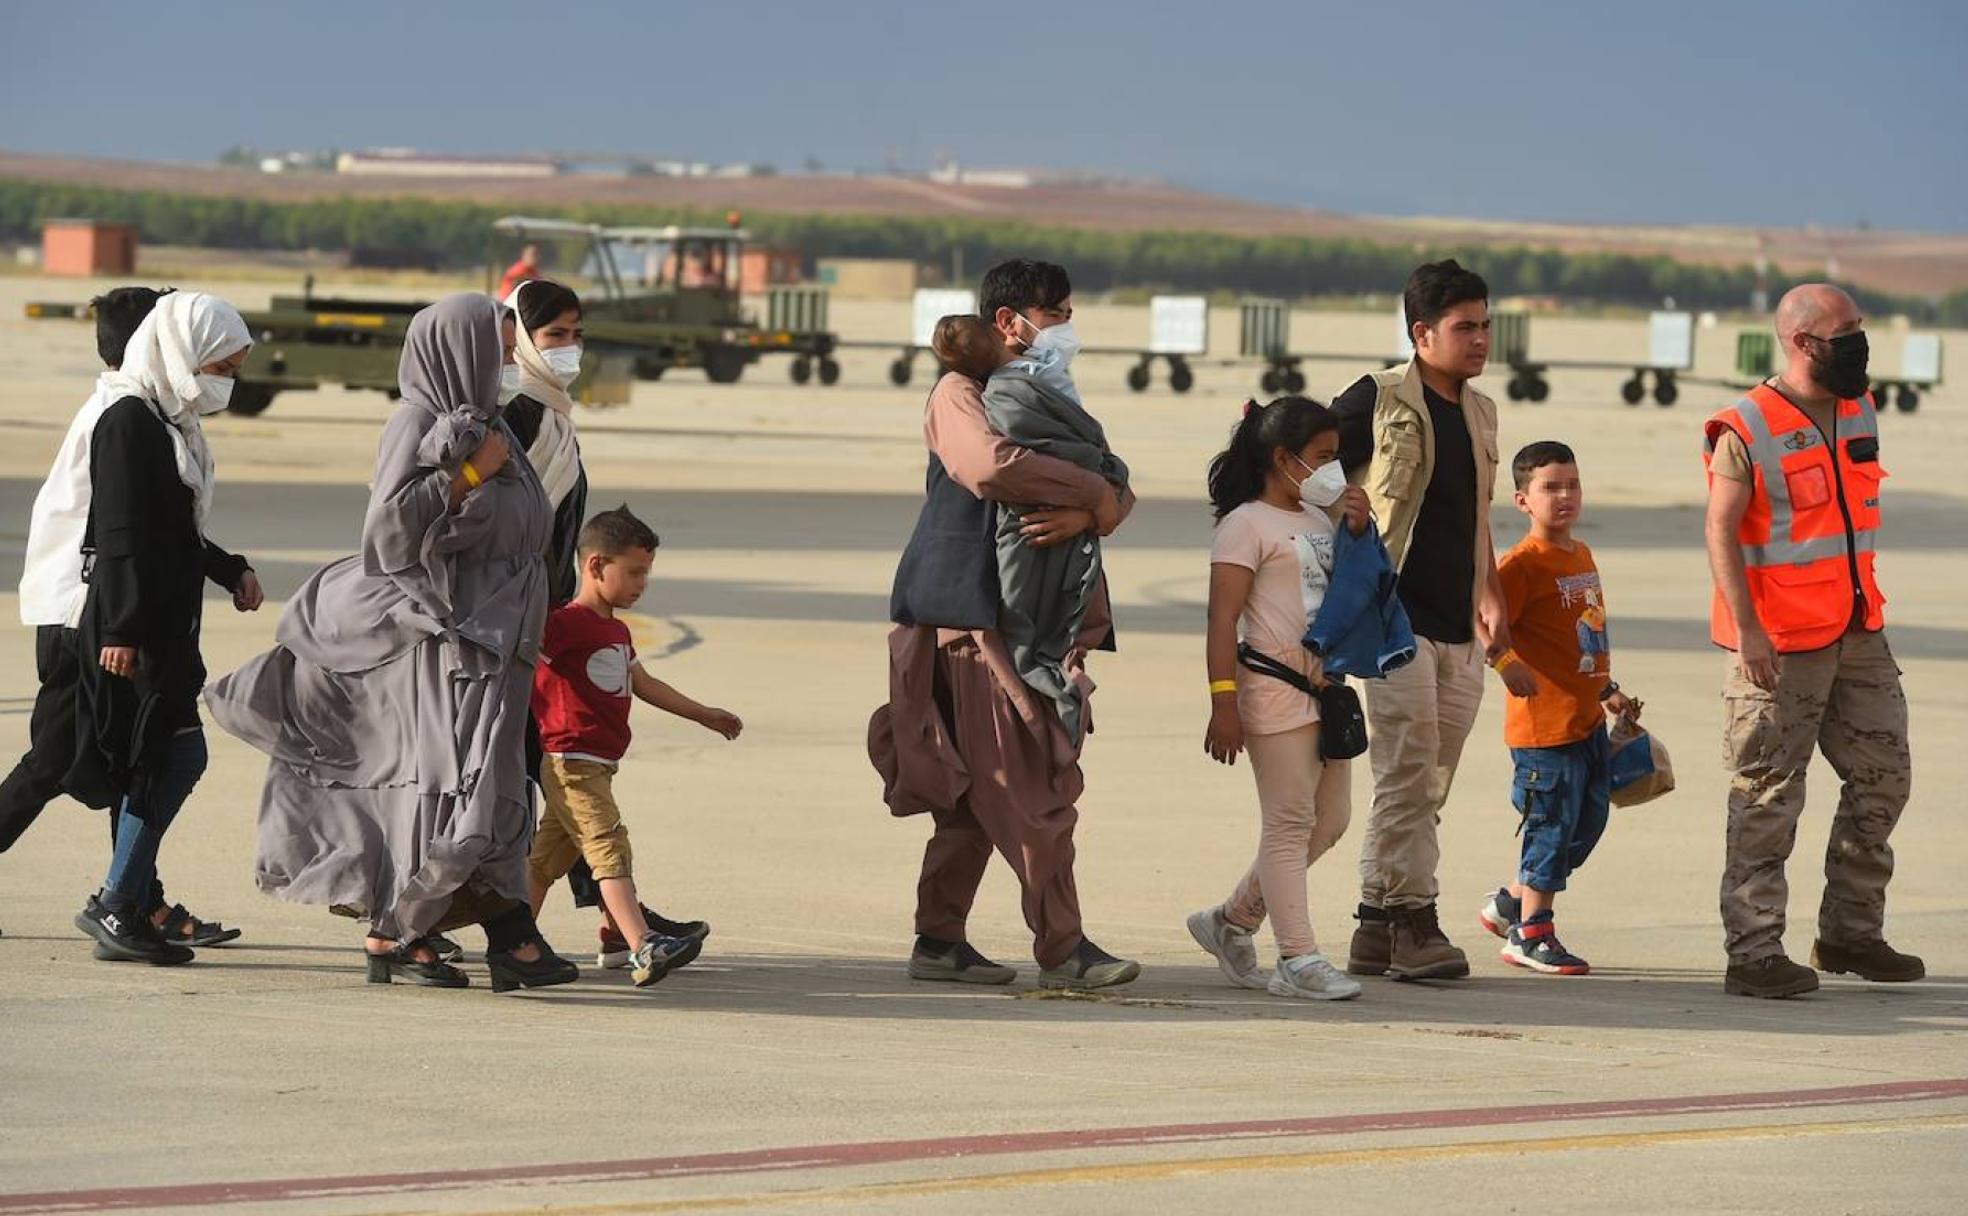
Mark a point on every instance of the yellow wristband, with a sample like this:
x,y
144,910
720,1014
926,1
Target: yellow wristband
x,y
1217,686
472,478
1505,659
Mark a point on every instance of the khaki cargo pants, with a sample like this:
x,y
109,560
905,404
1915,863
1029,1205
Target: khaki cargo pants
x,y
1418,718
580,823
1846,701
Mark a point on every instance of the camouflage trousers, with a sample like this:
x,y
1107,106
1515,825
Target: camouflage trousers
x,y
1845,701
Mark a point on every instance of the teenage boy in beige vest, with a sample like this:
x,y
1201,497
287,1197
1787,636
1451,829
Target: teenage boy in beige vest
x,y
1423,444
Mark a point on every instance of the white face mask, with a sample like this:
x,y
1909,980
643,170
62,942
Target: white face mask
x,y
564,362
214,393
508,383
1323,486
1059,342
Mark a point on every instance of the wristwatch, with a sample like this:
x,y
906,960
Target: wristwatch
x,y
1610,688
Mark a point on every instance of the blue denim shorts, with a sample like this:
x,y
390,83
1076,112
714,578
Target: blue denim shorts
x,y
1564,795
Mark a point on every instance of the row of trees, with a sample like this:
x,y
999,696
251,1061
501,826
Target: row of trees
x,y
455,234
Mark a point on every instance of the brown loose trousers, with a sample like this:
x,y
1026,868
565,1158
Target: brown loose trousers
x,y
962,738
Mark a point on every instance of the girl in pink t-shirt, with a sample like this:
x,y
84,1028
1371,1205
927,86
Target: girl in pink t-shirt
x,y
1275,490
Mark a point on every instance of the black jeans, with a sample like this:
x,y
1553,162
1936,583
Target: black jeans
x,y
37,779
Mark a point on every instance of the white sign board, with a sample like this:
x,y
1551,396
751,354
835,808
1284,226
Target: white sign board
x,y
1404,346
1178,325
1671,341
1920,358
933,304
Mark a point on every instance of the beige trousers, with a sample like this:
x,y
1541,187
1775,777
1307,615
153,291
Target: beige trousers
x,y
1846,702
1304,806
1418,719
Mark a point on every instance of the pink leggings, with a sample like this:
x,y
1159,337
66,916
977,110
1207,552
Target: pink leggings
x,y
1304,806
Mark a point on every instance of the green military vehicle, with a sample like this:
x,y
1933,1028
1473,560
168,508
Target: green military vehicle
x,y
671,296
654,299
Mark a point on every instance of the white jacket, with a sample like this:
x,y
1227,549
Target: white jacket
x,y
51,587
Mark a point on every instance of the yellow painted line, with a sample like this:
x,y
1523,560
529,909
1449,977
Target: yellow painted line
x,y
1153,1171
351,319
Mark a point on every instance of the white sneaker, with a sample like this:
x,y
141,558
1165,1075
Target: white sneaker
x,y
1229,945
1312,977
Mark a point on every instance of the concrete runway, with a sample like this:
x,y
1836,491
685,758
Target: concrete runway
x,y
795,1067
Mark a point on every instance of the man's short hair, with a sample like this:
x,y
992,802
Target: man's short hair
x,y
613,533
1022,285
1436,287
118,313
1534,456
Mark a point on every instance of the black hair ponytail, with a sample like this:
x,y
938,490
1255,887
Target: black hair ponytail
x,y
1237,474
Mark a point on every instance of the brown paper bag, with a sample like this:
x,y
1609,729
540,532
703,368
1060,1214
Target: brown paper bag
x,y
1641,768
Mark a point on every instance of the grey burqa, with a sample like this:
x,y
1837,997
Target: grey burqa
x,y
393,707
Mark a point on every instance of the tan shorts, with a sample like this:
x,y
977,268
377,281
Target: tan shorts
x,y
580,821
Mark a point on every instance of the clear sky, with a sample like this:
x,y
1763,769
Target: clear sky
x,y
1751,112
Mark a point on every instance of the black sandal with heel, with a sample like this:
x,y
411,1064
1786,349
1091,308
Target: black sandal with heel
x,y
402,960
510,972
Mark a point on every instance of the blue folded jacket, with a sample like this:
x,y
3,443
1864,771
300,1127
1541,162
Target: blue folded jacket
x,y
1361,628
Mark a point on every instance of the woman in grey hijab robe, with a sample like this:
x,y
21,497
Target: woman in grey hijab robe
x,y
394,705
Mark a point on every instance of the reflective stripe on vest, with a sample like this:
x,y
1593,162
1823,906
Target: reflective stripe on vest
x,y
1766,453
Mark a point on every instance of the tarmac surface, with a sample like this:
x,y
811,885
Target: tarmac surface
x,y
795,1067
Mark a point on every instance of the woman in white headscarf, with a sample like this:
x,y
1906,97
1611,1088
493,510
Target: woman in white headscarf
x,y
546,360
140,747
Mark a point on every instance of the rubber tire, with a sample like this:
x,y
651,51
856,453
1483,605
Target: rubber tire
x,y
1906,400
723,364
1633,390
802,370
1538,390
250,400
1294,381
830,371
900,371
1137,378
1515,389
1181,377
1270,381
1666,393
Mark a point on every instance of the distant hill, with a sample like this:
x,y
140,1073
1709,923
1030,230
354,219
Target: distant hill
x,y
1895,262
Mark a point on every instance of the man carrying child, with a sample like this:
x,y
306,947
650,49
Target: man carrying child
x,y
965,737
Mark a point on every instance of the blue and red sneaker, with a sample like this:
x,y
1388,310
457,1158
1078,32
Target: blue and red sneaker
x,y
1533,944
1500,911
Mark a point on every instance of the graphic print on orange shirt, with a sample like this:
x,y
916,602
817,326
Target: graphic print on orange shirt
x,y
1558,627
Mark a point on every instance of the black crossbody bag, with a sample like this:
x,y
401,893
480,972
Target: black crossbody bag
x,y
1342,725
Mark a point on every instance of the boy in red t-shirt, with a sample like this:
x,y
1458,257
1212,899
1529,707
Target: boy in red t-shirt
x,y
582,689
1557,735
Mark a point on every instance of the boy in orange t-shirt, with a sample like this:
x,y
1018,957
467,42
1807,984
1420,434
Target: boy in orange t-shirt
x,y
1557,735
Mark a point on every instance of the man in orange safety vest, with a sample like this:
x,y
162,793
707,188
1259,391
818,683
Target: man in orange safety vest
x,y
1793,520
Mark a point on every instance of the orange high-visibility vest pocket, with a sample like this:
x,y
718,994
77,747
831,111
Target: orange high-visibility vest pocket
x,y
1809,486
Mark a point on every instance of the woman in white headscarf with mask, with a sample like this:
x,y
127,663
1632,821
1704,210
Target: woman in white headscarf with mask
x,y
141,749
546,360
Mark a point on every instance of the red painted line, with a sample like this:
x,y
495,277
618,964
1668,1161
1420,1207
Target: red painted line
x,y
885,1152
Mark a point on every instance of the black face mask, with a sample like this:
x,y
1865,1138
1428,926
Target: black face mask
x,y
1839,364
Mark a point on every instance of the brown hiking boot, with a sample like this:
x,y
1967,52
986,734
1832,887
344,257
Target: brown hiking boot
x,y
1771,977
1421,951
1373,942
1875,961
